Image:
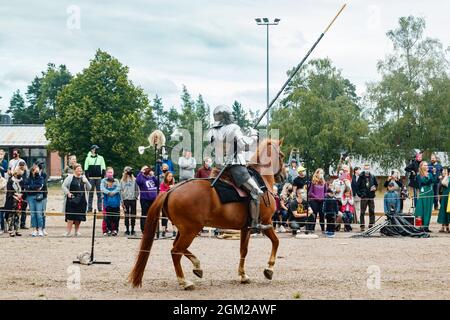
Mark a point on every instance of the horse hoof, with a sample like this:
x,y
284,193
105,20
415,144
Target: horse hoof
x,y
245,279
268,274
198,272
189,286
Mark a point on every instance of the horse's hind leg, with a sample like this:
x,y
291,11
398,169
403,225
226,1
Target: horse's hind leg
x,y
180,245
245,237
268,272
196,262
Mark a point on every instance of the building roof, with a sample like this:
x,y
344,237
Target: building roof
x,y
22,136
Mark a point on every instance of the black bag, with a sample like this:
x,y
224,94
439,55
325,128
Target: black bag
x,y
75,200
39,197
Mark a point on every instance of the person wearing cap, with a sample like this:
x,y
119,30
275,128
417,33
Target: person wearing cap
x,y
293,171
391,199
300,182
94,167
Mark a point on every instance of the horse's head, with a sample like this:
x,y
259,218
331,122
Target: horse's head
x,y
270,159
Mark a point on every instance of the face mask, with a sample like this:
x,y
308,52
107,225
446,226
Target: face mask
x,y
15,155
164,170
36,175
19,176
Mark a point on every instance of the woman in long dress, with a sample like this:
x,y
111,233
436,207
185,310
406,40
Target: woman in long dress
x,y
424,183
75,187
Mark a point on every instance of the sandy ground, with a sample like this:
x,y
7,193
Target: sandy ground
x,y
340,268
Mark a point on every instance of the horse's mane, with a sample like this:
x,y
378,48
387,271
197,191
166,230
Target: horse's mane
x,y
254,161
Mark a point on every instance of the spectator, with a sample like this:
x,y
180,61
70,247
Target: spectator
x,y
413,170
300,214
35,185
444,213
3,164
23,216
300,182
293,171
316,196
14,162
109,174
356,198
367,186
205,171
147,183
348,209
398,186
111,194
424,183
391,199
167,184
3,183
167,161
69,169
435,164
187,166
129,191
165,169
287,194
338,186
330,210
75,188
45,193
13,204
95,167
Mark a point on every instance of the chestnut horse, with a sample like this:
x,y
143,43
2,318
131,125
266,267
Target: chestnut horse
x,y
193,205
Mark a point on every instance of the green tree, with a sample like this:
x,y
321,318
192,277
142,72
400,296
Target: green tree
x,y
413,79
202,112
17,109
320,115
240,115
41,96
102,106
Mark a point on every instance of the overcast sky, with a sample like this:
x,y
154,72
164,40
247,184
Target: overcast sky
x,y
213,47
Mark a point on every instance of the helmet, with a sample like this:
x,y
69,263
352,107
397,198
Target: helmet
x,y
222,115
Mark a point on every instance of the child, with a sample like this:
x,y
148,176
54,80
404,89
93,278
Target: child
x,y
330,211
168,183
112,204
391,199
347,209
14,202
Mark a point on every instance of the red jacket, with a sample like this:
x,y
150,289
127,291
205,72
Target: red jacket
x,y
203,173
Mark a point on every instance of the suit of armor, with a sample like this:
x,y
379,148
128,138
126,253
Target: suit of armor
x,y
230,145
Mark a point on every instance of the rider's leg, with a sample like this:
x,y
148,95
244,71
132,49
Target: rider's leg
x,y
255,194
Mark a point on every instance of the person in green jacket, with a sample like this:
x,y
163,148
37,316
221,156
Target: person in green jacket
x,y
424,183
94,168
444,214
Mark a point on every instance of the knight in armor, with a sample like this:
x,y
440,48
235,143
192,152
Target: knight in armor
x,y
230,145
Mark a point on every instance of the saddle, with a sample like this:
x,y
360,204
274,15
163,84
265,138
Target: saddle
x,y
229,193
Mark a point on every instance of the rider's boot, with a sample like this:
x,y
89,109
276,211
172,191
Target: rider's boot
x,y
255,194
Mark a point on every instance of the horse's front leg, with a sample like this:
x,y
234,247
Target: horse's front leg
x,y
268,272
245,237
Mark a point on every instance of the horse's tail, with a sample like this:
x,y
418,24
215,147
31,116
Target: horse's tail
x,y
135,277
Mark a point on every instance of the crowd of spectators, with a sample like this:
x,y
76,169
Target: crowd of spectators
x,y
303,202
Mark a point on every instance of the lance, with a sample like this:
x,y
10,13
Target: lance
x,y
297,68
285,85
